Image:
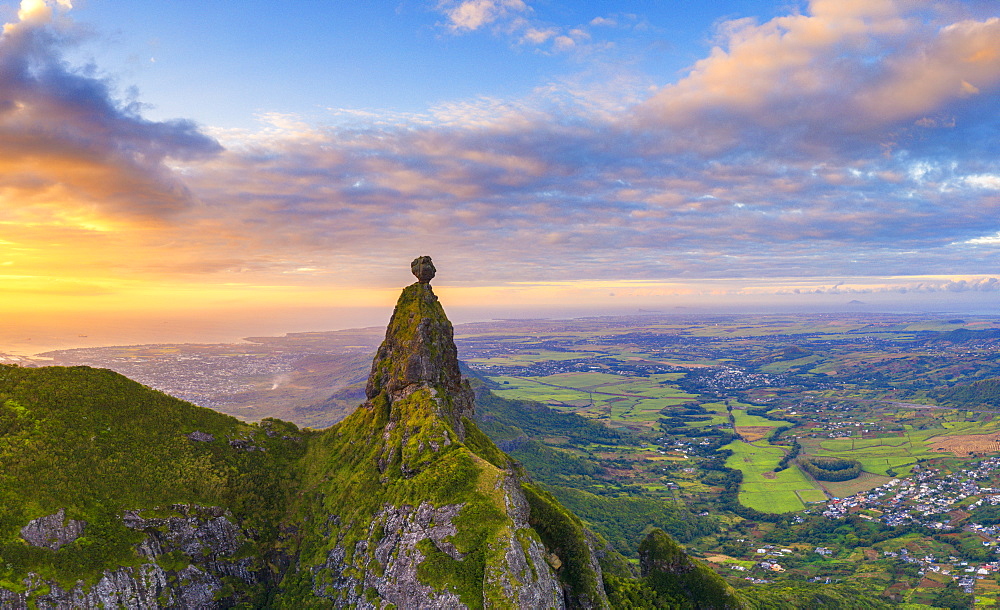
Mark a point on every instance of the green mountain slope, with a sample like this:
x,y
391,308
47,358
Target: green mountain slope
x,y
95,445
982,394
619,516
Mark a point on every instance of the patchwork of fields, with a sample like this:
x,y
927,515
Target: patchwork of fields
x,y
635,402
639,402
575,368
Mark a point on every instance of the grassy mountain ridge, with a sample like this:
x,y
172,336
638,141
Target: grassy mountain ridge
x,y
413,459
96,444
984,393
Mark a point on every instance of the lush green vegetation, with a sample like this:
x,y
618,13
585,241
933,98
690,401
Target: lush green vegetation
x,y
106,445
96,444
763,488
877,455
505,419
791,455
669,571
831,469
639,434
986,515
791,595
624,520
979,394
619,516
615,400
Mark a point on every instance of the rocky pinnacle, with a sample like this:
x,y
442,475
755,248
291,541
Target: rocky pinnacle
x,y
419,352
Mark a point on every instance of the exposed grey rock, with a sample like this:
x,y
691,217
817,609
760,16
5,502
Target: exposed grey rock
x,y
397,557
133,588
52,531
244,445
198,588
205,535
387,562
423,269
200,436
525,575
201,533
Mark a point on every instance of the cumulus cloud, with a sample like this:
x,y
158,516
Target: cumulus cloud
x,y
471,15
836,73
515,20
68,146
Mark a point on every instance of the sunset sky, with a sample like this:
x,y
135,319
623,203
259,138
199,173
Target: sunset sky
x,y
247,156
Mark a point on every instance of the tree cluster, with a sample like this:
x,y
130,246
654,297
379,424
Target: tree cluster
x,y
831,469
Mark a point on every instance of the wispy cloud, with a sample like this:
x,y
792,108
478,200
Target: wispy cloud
x,y
516,20
469,15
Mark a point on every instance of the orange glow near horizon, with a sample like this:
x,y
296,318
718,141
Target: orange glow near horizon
x,y
69,293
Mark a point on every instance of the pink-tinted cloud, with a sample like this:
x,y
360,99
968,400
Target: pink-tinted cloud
x,y
67,141
475,14
514,19
844,69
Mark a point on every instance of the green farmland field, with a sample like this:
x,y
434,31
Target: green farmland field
x,y
625,400
780,494
877,455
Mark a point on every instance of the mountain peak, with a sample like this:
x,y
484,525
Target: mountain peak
x,y
419,353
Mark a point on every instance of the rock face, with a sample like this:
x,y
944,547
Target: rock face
x,y
52,531
419,353
202,542
423,268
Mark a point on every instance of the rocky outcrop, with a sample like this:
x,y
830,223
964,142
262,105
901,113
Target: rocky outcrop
x,y
526,574
439,517
385,567
404,503
189,557
52,531
423,269
201,437
394,536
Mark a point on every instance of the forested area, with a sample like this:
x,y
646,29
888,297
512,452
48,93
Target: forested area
x,y
96,443
831,469
984,394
